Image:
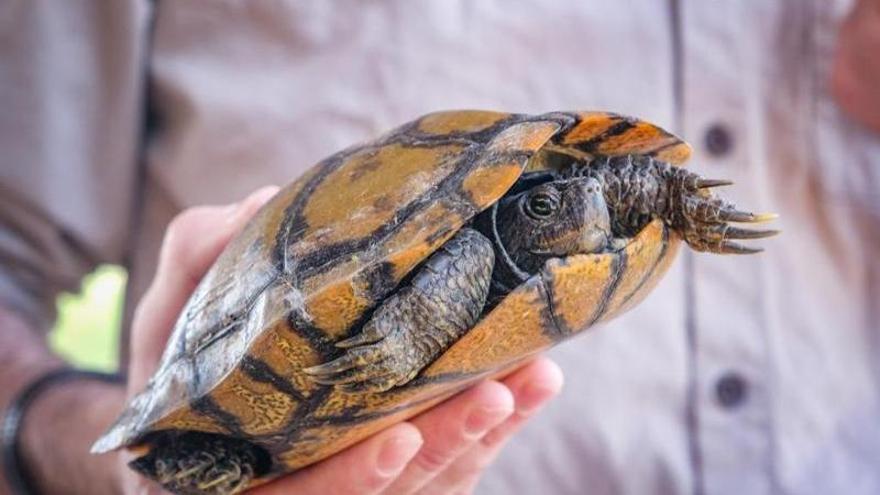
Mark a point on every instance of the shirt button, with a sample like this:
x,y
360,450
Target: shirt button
x,y
731,390
718,140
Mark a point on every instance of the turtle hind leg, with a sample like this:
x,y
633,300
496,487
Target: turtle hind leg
x,y
196,463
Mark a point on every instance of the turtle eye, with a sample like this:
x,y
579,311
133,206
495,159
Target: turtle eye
x,y
541,205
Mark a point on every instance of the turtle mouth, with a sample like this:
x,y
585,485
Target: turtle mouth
x,y
594,242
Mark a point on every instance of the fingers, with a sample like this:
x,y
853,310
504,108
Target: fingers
x,y
193,241
366,468
532,387
450,429
441,451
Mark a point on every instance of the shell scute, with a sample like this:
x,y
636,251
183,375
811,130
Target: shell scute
x,y
577,305
365,193
648,256
519,326
459,122
259,407
609,134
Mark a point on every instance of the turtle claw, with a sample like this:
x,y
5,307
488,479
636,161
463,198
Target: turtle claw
x,y
728,247
355,378
705,223
369,335
726,231
341,379
371,363
732,215
353,367
326,379
716,238
764,217
709,183
375,384
738,233
351,359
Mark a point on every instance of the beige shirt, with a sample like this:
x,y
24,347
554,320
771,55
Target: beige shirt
x,y
738,375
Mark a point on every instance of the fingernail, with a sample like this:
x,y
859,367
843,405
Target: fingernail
x,y
482,419
397,452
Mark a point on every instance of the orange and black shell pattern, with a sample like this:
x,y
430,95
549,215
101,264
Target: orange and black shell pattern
x,y
313,263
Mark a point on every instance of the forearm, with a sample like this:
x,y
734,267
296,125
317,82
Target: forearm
x,y
62,422
23,355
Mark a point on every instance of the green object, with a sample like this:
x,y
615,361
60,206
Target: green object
x,y
87,330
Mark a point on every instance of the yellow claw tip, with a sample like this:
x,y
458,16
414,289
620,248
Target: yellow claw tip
x,y
765,217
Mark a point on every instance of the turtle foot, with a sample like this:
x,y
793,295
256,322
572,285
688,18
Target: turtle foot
x,y
704,221
195,463
418,323
372,362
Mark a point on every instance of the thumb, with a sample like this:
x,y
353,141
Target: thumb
x,y
194,239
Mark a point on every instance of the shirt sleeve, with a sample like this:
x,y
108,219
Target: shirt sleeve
x,y
70,94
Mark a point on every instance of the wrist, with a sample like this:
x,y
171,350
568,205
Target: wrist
x,y
57,431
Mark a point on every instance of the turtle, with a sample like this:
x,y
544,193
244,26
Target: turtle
x,y
395,273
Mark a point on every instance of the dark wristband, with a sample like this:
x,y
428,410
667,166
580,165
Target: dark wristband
x,y
19,478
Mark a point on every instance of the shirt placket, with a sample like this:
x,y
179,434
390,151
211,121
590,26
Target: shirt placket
x,y
731,411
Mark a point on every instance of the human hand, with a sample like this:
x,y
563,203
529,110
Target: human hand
x,y
62,422
855,76
443,450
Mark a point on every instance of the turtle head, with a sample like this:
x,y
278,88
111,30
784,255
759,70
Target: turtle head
x,y
554,218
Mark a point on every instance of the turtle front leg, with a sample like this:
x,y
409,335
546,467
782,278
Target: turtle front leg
x,y
638,188
416,324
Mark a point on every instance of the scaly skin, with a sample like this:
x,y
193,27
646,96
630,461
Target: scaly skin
x,y
639,188
201,464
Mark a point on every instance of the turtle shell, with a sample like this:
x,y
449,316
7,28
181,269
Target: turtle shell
x,y
325,250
